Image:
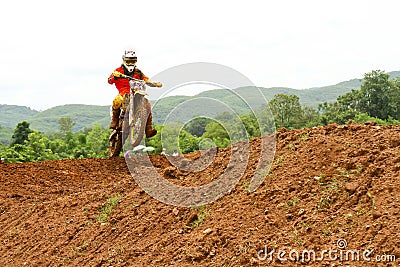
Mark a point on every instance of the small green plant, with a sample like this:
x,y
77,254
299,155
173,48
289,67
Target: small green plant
x,y
329,190
280,160
291,146
327,232
107,209
246,185
306,225
333,186
295,238
361,212
348,216
200,217
324,203
304,136
291,202
320,179
114,200
101,218
349,174
121,250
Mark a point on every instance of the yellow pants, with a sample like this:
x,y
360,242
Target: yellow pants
x,y
118,101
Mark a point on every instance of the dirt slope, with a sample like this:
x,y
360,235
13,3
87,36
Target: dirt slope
x,y
327,184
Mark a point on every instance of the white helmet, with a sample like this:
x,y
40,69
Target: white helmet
x,y
130,59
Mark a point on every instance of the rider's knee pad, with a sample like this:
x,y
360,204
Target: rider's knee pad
x,y
118,101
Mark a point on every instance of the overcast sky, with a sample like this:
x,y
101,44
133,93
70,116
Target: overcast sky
x,y
61,52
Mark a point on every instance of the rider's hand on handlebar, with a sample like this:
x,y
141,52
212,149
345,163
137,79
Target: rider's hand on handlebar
x,y
158,84
117,74
153,84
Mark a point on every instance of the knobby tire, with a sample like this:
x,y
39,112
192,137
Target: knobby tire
x,y
139,126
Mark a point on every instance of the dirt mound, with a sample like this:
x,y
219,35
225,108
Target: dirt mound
x,y
332,191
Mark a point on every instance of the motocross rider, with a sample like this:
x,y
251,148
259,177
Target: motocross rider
x,y
129,68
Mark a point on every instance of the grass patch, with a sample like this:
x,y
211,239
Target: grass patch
x,y
201,214
327,232
304,136
107,209
291,202
295,238
329,189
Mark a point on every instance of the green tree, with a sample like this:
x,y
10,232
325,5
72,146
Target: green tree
x,y
3,150
38,148
197,126
59,147
375,92
266,118
378,97
97,141
250,123
226,117
310,117
21,133
335,113
350,101
187,142
286,110
65,125
169,136
155,141
394,98
172,137
216,132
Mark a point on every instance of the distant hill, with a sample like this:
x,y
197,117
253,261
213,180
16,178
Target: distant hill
x,y
10,115
86,115
47,121
6,135
308,97
82,115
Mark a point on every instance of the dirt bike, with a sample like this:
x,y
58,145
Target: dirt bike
x,y
133,117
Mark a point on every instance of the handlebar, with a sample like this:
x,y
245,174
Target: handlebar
x,y
151,84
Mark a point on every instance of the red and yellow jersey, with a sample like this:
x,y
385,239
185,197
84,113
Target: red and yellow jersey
x,y
122,84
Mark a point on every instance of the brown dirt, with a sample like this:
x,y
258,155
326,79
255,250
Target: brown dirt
x,y
326,183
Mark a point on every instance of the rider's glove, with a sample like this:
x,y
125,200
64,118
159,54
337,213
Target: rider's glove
x,y
158,84
117,74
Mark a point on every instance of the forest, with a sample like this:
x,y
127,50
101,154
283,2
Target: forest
x,y
377,99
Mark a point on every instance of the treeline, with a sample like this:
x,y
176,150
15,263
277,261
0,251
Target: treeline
x,y
31,145
378,99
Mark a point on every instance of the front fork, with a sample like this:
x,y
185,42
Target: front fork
x,y
124,106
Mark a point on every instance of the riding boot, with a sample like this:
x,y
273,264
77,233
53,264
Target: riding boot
x,y
150,132
115,118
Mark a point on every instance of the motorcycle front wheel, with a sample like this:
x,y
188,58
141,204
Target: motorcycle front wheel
x,y
138,126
